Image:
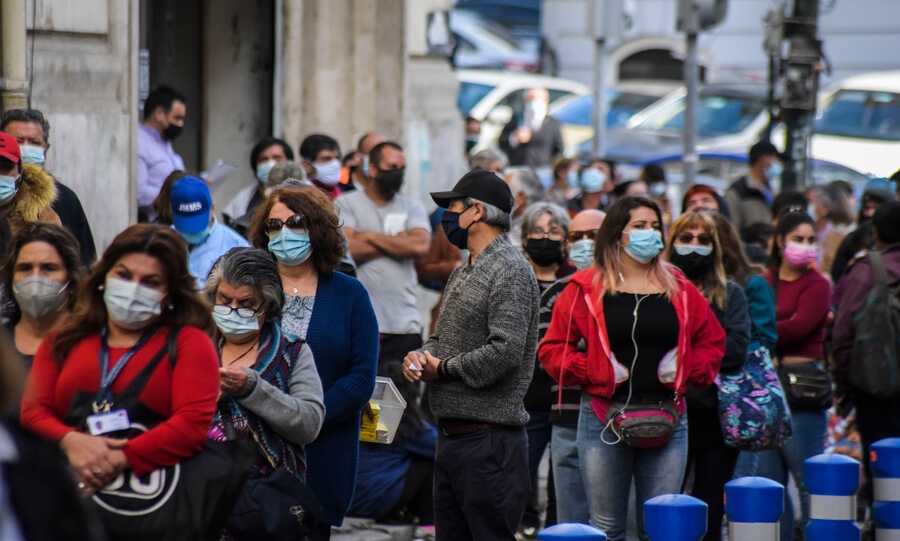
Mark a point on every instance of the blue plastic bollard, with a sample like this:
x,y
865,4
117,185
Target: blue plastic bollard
x,y
753,506
571,530
884,457
832,481
675,517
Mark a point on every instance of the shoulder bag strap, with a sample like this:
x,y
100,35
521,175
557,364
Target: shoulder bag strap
x,y
140,381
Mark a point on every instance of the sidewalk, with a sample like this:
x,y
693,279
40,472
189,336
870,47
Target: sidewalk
x,y
363,529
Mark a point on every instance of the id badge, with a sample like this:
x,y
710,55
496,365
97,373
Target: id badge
x,y
104,423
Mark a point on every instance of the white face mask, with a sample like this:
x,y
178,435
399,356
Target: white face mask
x,y
329,173
38,296
131,305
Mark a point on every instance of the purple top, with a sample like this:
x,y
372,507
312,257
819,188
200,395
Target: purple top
x,y
156,160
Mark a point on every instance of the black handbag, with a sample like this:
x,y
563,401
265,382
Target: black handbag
x,y
188,501
806,386
275,506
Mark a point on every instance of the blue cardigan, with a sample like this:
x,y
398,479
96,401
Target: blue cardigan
x,y
343,336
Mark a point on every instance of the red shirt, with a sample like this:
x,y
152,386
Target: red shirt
x,y
185,396
701,340
801,312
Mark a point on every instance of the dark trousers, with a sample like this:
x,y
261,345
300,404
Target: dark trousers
x,y
876,420
481,484
538,429
417,496
712,469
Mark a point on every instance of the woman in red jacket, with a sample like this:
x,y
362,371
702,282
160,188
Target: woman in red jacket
x,y
802,303
124,312
631,331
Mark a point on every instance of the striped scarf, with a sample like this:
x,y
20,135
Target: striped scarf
x,y
274,364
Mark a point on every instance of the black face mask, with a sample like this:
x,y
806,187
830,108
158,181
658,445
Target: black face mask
x,y
693,265
544,252
172,132
389,181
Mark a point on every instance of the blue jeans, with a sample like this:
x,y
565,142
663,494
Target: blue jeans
x,y
607,471
807,440
571,500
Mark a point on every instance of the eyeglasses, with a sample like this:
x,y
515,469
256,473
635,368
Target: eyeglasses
x,y
243,311
575,236
274,225
686,238
553,234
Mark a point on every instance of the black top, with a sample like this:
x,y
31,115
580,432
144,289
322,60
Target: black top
x,y
546,143
538,396
655,334
68,207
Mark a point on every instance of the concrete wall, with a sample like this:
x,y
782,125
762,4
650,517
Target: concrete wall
x,y
85,81
434,127
853,32
343,69
238,57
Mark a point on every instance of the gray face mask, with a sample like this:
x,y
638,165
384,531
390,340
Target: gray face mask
x,y
40,297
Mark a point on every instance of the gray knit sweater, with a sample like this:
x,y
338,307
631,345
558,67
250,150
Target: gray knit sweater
x,y
486,336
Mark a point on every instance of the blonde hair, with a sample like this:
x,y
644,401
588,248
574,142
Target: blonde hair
x,y
712,284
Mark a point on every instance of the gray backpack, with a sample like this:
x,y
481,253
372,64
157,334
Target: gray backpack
x,y
875,354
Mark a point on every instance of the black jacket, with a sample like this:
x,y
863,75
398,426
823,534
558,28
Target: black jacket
x,y
546,143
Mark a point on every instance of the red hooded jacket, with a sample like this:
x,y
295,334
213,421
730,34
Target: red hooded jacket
x,y
578,313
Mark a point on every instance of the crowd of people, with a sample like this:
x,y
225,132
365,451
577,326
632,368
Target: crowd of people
x,y
570,306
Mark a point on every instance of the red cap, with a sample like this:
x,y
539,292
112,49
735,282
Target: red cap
x,y
9,148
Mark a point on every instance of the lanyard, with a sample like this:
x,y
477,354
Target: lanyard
x,y
103,402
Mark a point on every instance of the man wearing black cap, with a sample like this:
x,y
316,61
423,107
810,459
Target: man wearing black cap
x,y
750,197
479,363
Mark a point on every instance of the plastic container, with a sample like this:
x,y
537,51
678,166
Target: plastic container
x,y
388,406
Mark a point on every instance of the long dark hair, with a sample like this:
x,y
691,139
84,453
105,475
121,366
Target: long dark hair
x,y
66,247
788,222
734,260
164,244
606,251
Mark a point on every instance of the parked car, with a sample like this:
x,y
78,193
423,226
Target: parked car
x,y
493,96
858,123
484,44
576,113
729,117
720,169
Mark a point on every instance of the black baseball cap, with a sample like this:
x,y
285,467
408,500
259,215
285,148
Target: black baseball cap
x,y
478,184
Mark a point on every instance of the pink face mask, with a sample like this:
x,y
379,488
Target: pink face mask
x,y
800,255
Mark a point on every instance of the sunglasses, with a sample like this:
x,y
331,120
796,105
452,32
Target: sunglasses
x,y
274,225
575,236
243,311
686,238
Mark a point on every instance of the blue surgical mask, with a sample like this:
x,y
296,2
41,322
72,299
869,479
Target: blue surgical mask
x,y
291,247
131,305
32,154
644,244
685,249
457,236
582,254
592,180
774,171
235,327
572,178
197,238
8,188
262,170
329,173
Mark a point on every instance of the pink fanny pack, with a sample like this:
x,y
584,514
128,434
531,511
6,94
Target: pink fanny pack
x,y
640,425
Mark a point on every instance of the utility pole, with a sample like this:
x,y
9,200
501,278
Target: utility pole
x,y
801,86
694,16
608,22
